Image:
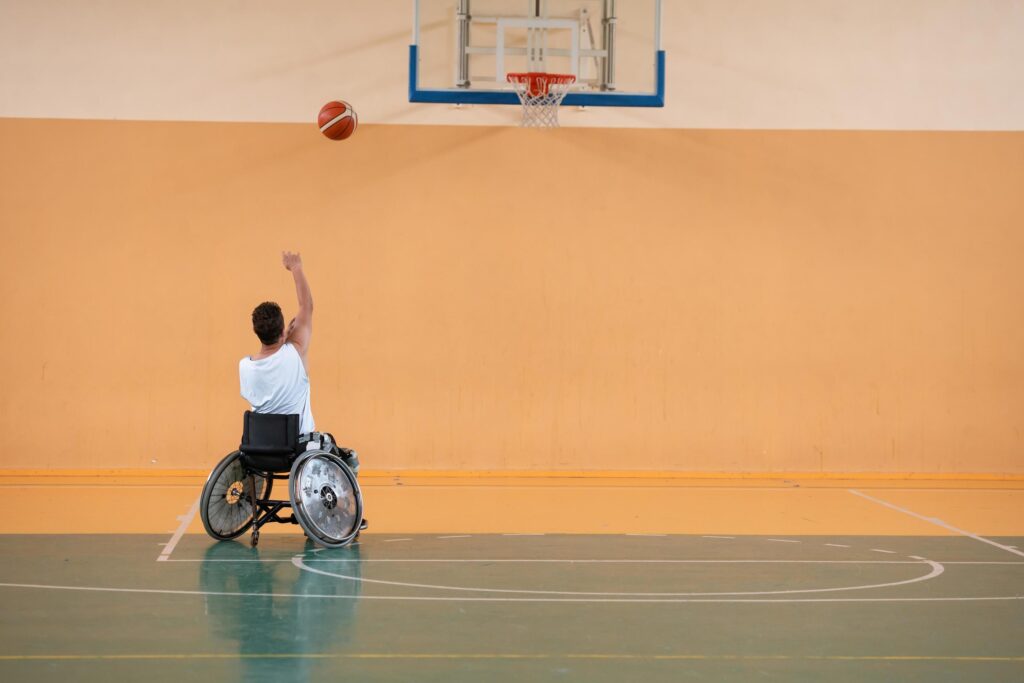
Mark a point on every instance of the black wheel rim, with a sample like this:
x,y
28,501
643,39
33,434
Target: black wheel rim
x,y
230,506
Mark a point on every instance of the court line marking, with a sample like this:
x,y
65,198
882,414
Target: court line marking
x,y
781,540
392,540
837,545
186,520
448,598
879,550
481,655
458,536
936,521
936,570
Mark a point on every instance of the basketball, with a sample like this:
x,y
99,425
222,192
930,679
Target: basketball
x,y
337,120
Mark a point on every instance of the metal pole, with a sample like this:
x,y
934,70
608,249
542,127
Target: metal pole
x,y
462,18
415,22
608,76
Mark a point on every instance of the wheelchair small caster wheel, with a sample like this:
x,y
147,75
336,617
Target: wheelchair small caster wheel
x,y
254,539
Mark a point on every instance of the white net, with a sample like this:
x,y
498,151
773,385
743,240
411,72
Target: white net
x,y
541,95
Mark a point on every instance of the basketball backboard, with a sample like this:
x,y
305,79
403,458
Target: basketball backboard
x,y
463,50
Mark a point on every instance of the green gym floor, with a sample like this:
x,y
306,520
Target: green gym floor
x,y
925,583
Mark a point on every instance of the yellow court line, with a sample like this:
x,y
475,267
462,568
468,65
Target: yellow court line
x,y
428,655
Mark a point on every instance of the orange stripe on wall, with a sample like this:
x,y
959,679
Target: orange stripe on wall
x,y
958,479
495,299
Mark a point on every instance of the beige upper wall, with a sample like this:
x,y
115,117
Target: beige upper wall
x,y
833,64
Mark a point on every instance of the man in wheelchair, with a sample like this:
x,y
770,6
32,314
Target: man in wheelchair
x,y
280,441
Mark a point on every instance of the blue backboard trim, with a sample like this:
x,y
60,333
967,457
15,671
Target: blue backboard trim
x,y
574,99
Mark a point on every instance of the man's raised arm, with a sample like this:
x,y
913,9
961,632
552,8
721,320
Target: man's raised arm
x,y
300,329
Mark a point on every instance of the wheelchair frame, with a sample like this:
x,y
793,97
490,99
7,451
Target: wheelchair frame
x,y
266,509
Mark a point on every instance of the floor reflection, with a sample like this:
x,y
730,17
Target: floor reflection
x,y
268,618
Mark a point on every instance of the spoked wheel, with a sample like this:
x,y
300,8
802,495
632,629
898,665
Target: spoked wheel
x,y
226,505
325,498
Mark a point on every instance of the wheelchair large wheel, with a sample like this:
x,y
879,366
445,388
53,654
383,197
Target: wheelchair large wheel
x,y
325,498
226,505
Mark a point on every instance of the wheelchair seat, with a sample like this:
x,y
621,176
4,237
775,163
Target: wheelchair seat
x,y
323,492
269,442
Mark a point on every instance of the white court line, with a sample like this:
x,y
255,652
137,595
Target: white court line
x,y
186,519
837,545
936,570
458,536
879,550
781,540
366,560
392,540
423,598
937,522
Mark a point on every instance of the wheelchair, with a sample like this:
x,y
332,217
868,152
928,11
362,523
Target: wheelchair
x,y
323,492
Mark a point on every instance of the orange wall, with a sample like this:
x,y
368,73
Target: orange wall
x,y
494,298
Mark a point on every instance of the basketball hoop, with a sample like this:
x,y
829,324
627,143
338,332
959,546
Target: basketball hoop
x,y
541,93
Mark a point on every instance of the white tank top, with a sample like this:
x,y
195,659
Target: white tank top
x,y
278,384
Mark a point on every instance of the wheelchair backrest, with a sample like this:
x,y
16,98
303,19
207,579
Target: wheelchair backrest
x,y
269,434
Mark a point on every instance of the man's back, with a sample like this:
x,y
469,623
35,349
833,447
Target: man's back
x,y
278,383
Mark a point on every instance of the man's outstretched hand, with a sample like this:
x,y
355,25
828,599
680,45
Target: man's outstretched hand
x,y
291,261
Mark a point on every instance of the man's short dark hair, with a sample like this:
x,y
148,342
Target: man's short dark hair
x,y
268,322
